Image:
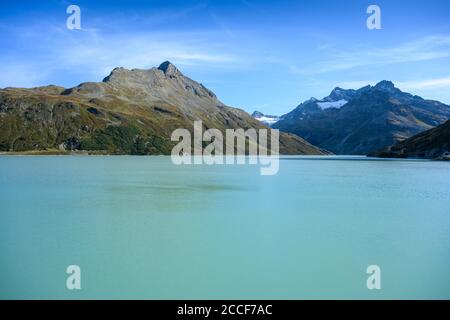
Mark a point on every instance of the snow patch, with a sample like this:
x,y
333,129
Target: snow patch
x,y
334,104
268,120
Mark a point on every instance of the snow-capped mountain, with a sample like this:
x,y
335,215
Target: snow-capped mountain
x,y
361,121
266,119
337,99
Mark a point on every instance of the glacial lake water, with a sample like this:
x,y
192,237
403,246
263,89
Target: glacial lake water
x,y
142,228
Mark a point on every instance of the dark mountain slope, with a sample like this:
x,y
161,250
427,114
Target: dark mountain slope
x,y
431,144
360,121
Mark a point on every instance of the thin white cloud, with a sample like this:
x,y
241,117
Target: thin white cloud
x,y
222,25
429,84
21,75
142,50
429,48
96,53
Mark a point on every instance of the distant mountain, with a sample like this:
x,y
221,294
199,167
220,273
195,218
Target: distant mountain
x,y
130,112
364,120
431,144
266,119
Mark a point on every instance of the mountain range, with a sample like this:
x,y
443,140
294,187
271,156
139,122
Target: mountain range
x,y
361,121
135,111
129,112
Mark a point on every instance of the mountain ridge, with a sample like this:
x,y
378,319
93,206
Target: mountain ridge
x,y
129,112
372,118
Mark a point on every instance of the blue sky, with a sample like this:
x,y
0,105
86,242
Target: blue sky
x,y
265,55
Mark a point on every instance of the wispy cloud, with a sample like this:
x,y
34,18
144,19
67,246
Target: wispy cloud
x,y
96,52
222,25
429,84
136,19
144,49
429,48
16,74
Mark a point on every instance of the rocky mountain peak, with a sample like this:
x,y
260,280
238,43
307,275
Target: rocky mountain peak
x,y
257,114
340,94
118,72
123,75
337,90
386,86
165,82
168,68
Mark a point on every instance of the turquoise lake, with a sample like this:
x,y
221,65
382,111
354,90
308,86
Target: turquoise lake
x,y
143,228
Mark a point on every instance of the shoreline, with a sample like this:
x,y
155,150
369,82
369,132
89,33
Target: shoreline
x,y
55,153
105,153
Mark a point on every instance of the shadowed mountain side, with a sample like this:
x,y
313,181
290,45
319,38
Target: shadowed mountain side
x,y
431,144
360,121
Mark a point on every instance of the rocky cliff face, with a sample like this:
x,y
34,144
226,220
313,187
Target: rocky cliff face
x,y
130,112
364,120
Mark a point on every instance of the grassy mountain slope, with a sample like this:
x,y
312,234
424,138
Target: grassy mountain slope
x,y
130,112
